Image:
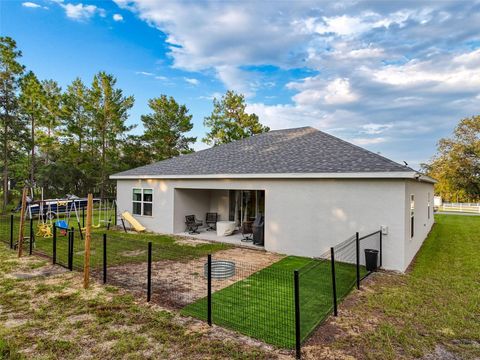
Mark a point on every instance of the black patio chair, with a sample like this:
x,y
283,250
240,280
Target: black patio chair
x,y
192,224
211,221
258,230
247,231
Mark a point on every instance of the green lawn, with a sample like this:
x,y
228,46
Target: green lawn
x,y
262,305
435,305
122,247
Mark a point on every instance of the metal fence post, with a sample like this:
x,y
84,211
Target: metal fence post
x,y
115,218
69,243
381,239
72,235
123,225
83,216
334,281
296,283
11,231
54,244
357,241
80,230
104,258
149,272
209,289
31,236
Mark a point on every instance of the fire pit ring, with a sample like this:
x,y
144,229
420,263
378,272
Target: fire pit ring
x,y
221,269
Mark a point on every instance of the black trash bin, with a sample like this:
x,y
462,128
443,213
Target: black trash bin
x,y
371,259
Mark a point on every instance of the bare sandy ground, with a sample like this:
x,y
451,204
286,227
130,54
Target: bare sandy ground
x,y
176,284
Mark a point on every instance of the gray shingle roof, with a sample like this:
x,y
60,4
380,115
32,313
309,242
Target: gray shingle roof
x,y
299,150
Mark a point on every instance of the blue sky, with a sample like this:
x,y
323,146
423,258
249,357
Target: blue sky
x,y
393,77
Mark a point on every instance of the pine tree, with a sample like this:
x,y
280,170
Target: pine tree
x,y
76,116
109,109
31,101
11,126
229,120
165,129
50,122
77,146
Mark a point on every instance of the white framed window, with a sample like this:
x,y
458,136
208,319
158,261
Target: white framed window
x,y
412,215
142,202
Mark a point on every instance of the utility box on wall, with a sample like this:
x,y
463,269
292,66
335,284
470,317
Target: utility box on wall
x,y
384,229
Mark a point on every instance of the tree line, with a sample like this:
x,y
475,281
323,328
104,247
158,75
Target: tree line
x,y
71,140
456,165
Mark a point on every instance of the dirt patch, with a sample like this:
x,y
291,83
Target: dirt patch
x,y
440,353
215,332
48,270
176,284
350,323
132,253
190,242
324,353
80,318
11,323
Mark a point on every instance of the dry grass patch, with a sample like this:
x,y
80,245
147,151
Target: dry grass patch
x,y
52,317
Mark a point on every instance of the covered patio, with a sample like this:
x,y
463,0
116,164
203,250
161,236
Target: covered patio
x,y
235,212
234,239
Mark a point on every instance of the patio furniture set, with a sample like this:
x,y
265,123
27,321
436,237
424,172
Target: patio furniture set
x,y
251,230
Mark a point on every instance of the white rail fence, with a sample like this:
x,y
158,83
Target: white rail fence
x,y
460,207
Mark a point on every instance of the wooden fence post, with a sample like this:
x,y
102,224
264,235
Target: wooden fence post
x,y
88,237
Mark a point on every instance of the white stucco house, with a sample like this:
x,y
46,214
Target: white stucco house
x,y
314,191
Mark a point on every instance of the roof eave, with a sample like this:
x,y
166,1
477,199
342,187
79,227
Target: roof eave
x,y
348,175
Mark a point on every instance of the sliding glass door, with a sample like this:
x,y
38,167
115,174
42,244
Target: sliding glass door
x,y
246,205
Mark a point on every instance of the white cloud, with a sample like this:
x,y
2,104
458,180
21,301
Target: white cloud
x,y
81,12
315,90
341,25
31,5
283,116
374,129
200,145
145,73
348,25
339,91
383,73
117,17
450,74
368,141
363,53
236,79
210,97
223,36
192,81
150,74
